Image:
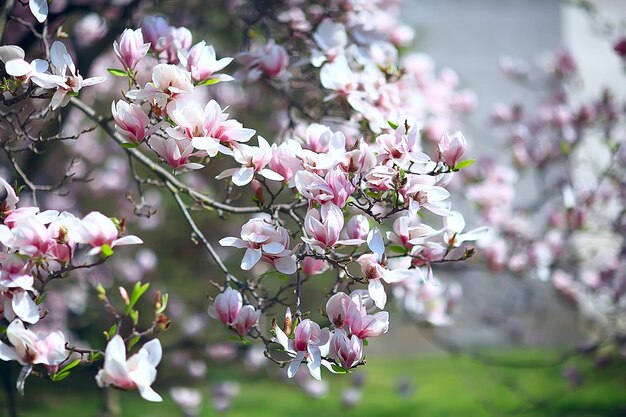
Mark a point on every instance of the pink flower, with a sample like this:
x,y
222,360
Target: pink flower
x,y
175,152
347,350
271,61
169,82
253,160
363,325
227,306
451,148
202,63
247,318
323,226
155,29
139,371
130,121
337,309
358,227
131,49
285,160
312,266
309,343
264,242
98,230
30,349
374,271
8,198
62,63
408,231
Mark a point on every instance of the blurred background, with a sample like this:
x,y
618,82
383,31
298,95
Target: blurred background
x,y
515,346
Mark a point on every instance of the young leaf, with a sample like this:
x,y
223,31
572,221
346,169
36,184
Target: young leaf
x,y
106,250
117,72
129,145
464,164
209,81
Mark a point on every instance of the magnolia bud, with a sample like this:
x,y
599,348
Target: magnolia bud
x,y
287,323
358,227
452,148
124,295
131,48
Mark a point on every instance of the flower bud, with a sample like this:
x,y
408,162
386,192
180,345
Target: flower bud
x,y
452,148
227,306
130,120
124,295
312,266
131,48
348,351
246,319
336,309
358,227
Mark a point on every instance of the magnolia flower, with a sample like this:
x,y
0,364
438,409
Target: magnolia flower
x,y
155,30
454,226
139,371
202,63
323,226
451,148
35,71
312,266
169,82
285,160
347,350
271,61
17,302
8,198
408,231
30,349
332,39
131,49
227,305
229,309
422,192
310,343
62,63
175,152
253,160
98,230
130,121
200,125
264,242
372,267
358,227
363,325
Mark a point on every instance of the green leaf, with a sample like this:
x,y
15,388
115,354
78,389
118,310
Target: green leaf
x,y
164,299
106,250
134,315
112,331
464,164
94,356
138,291
117,72
60,376
276,274
132,342
338,369
130,145
70,365
209,81
397,249
392,125
3,329
365,342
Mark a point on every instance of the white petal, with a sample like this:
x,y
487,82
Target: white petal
x,y
250,259
375,242
39,8
295,364
24,307
148,394
377,292
271,175
286,265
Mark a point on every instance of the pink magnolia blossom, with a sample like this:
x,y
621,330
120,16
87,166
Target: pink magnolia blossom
x,y
203,64
131,49
337,309
374,270
347,350
138,371
408,231
169,82
227,306
270,61
63,66
175,152
358,227
130,121
323,227
285,160
10,199
310,343
454,226
331,39
254,160
264,242
155,30
16,302
247,318
98,230
452,148
30,349
312,266
36,71
363,325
